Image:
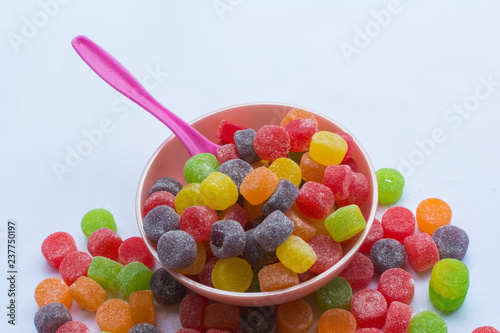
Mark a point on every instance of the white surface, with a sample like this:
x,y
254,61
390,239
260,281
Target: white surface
x,y
393,93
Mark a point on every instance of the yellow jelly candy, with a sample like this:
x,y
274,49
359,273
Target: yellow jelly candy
x,y
327,148
232,274
188,196
296,254
218,191
285,168
199,261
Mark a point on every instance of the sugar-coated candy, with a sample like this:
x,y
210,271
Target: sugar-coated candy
x,y
97,219
351,146
387,253
227,152
359,272
315,200
335,294
198,263
192,311
73,327
296,254
376,233
338,179
258,185
226,130
327,148
397,285
337,320
398,318
133,277
87,293
176,249
142,307
285,168
243,139
443,303
197,221
427,322
398,223
235,213
277,276
351,163
50,317
306,276
188,196
227,239
390,185
421,250
218,191
235,169
158,199
433,213
450,278
300,132
199,166
295,317
135,249
302,225
166,289
369,330
294,114
160,220
485,329
271,142
232,274
311,170
222,317
451,241
358,191
166,184
114,316
104,242
283,197
74,265
369,307
345,223
257,320
52,290
328,253
273,231
144,328
57,246
187,330
104,271
254,254
205,275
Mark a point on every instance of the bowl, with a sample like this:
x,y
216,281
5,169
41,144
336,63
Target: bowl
x,y
169,158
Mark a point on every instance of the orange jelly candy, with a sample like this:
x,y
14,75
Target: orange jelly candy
x,y
114,316
87,293
431,214
312,171
52,290
258,185
294,317
297,114
337,321
142,307
199,261
303,227
277,276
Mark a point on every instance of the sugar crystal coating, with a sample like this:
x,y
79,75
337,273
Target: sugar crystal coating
x,y
451,241
222,316
104,271
160,220
327,148
166,289
135,249
351,146
192,311
167,184
277,276
50,317
338,178
337,320
57,246
359,189
397,285
199,166
387,253
294,114
273,231
144,328
328,253
227,152
433,213
315,200
226,130
369,330
445,304
295,317
311,170
369,307
97,219
335,294
390,185
198,263
258,185
188,196
450,278
104,242
243,139
134,276
257,320
427,322
218,191
158,199
398,223
237,170
205,275
254,254
296,254
74,265
271,142
351,163
176,249
142,307
87,293
285,168
421,250
73,327
283,197
52,290
303,227
485,329
359,272
114,316
300,132
345,223
227,239
197,221
398,318
235,213
232,274
376,233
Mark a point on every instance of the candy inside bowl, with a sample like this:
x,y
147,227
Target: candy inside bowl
x,y
169,160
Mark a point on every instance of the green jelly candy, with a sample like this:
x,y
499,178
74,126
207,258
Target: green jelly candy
x,y
104,271
390,185
336,294
255,284
345,223
135,276
443,303
427,322
198,167
450,278
97,219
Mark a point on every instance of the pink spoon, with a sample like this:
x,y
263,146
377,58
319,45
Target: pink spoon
x,y
118,77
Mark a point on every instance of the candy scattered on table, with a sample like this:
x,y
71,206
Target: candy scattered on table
x,y
257,320
114,316
397,285
97,219
104,271
449,284
104,242
134,276
57,246
387,253
294,317
337,320
50,317
87,293
142,307
433,213
359,272
135,249
335,294
52,290
166,289
451,241
390,185
74,265
144,328
73,327
427,322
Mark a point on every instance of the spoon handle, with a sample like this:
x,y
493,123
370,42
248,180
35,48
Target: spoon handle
x,y
118,77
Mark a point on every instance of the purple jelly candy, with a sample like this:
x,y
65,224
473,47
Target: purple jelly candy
x,y
254,254
227,239
50,317
158,221
273,231
166,289
283,197
257,320
244,143
166,184
176,249
144,328
236,170
451,241
387,253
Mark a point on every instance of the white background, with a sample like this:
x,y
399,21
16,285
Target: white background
x,y
398,89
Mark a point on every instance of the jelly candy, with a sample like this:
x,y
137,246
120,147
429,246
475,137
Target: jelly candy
x,y
97,219
390,185
199,166
57,246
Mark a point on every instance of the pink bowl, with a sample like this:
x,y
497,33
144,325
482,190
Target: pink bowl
x,y
169,158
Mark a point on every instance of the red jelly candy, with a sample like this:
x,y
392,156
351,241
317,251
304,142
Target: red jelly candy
x,y
369,330
226,130
396,284
369,307
301,132
192,311
351,163
57,246
421,250
398,223
205,275
328,252
376,233
338,178
74,265
350,146
398,318
197,221
359,272
157,199
358,191
187,330
315,200
485,329
222,317
134,249
307,275
271,142
104,242
235,213
73,327
227,152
